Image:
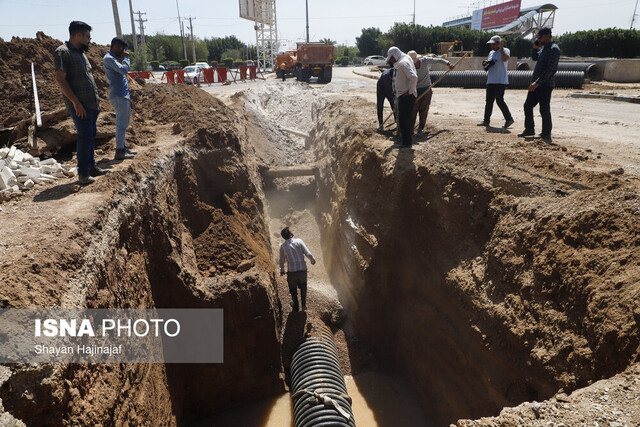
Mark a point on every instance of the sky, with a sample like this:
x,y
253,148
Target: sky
x,y
339,20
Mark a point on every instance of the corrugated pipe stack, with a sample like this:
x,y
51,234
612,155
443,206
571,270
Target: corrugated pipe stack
x,y
523,66
517,79
318,389
591,70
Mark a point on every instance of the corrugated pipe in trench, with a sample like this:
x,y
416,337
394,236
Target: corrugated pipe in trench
x,y
318,388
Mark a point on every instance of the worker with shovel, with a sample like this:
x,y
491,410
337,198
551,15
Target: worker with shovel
x,y
293,252
423,103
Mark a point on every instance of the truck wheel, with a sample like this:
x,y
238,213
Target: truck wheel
x,y
327,75
306,76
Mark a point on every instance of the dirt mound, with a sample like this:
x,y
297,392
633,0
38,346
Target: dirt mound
x,y
511,269
16,88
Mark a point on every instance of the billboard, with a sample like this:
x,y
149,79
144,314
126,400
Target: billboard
x,y
495,16
257,11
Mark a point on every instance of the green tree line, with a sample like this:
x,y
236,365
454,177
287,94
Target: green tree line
x,y
611,42
168,48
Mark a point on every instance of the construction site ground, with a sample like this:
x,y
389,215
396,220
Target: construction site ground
x,y
593,161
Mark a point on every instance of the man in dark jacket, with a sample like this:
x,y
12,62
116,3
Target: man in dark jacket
x,y
384,91
542,84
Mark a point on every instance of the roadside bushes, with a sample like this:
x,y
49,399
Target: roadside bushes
x,y
184,63
238,63
155,65
609,42
228,62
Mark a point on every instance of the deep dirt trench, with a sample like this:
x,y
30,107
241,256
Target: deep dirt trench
x,y
481,272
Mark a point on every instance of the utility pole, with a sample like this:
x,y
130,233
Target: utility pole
x,y
184,48
414,13
116,17
141,22
133,28
307,3
633,18
193,41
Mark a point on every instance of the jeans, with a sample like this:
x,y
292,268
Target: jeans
x,y
496,92
422,107
380,105
85,145
297,279
123,111
406,118
542,96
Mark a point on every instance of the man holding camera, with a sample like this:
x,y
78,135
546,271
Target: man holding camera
x,y
547,53
497,81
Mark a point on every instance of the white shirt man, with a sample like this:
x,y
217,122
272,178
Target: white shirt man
x,y
497,81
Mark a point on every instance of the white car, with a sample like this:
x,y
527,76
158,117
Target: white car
x,y
202,65
191,74
375,60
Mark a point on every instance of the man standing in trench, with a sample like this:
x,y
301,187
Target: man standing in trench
x,y
116,64
293,252
75,78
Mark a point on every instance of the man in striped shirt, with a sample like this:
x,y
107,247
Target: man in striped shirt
x,y
293,252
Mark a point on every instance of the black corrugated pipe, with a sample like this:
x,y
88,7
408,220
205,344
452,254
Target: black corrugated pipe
x,y
592,70
318,389
523,66
517,79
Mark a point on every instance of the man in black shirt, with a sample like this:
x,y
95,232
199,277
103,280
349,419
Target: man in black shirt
x,y
542,84
75,78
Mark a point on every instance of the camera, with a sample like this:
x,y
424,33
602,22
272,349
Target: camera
x,y
489,64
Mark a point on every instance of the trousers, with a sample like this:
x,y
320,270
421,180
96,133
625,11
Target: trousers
x,y
86,143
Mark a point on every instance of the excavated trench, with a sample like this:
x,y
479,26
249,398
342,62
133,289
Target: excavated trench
x,y
459,268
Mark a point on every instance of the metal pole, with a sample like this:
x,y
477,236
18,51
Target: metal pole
x,y
133,28
193,41
307,3
116,17
414,13
184,48
633,18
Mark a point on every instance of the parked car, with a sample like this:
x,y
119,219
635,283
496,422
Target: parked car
x,y
375,60
191,74
250,63
202,65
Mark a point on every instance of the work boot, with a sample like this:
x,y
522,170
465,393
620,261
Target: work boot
x,y
508,123
545,136
483,123
86,179
130,151
123,155
98,171
419,133
293,306
381,128
526,132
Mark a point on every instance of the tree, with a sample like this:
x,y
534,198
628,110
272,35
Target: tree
x,y
328,42
368,41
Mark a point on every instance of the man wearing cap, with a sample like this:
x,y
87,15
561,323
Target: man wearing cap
x,y
293,252
405,92
497,81
424,81
384,90
542,84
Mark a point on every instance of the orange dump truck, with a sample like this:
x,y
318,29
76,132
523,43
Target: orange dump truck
x,y
289,60
314,60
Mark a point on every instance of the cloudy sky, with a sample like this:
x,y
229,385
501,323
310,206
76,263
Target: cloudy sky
x,y
340,20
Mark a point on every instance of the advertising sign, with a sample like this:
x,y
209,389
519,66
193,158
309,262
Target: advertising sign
x,y
500,14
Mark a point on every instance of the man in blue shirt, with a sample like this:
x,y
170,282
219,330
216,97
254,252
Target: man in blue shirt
x,y
116,66
542,83
497,81
384,91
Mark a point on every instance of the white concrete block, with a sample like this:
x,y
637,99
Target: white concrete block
x,y
13,165
30,172
52,169
28,157
22,179
37,180
6,178
12,151
50,161
74,171
46,176
15,188
29,183
59,175
4,152
19,157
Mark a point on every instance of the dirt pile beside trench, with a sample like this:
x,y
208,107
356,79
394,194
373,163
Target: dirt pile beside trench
x,y
498,272
16,87
142,237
